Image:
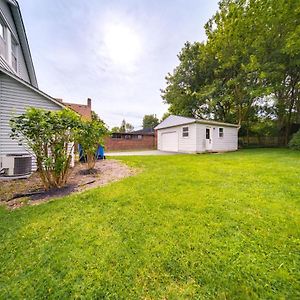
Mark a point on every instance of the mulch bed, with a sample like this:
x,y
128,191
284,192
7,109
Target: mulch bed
x,y
18,192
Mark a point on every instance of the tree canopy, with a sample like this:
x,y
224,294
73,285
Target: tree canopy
x,y
125,127
248,70
150,121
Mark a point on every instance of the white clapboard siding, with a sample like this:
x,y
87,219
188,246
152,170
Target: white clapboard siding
x,y
15,98
6,13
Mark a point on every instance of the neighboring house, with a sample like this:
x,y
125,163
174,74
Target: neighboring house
x,y
188,135
85,111
18,83
136,140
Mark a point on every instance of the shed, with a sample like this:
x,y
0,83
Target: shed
x,y
189,135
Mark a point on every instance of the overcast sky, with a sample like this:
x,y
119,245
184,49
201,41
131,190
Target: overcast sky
x,y
115,52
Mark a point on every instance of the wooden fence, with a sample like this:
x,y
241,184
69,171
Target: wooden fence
x,y
260,141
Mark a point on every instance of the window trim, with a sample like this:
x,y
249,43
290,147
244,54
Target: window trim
x,y
7,56
221,132
6,24
15,55
4,40
185,130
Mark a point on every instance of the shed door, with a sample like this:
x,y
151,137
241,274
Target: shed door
x,y
169,141
208,139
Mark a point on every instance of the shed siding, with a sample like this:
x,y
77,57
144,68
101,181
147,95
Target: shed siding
x,y
185,144
196,142
188,144
15,98
200,138
229,142
22,68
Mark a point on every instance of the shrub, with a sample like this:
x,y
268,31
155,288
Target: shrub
x,y
295,141
50,135
90,135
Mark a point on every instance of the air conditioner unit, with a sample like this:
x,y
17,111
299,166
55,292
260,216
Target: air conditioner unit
x,y
16,164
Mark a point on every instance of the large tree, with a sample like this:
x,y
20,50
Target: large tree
x,y
250,60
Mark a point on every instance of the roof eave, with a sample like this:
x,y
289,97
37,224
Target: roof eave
x,y
201,122
32,87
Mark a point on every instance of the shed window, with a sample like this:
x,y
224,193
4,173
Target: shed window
x,y
185,131
221,132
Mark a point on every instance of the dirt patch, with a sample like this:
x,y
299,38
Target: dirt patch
x,y
30,190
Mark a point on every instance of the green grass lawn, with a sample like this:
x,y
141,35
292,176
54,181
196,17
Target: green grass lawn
x,y
223,226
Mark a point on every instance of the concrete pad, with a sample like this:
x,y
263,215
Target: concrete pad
x,y
137,153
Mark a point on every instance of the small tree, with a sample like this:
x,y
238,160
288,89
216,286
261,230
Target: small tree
x,y
125,127
295,141
90,135
150,121
115,129
50,135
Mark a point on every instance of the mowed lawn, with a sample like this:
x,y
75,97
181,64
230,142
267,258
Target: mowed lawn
x,y
219,226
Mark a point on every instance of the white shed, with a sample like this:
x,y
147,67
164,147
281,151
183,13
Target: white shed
x,y
188,135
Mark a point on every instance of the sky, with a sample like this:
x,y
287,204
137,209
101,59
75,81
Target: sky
x,y
115,52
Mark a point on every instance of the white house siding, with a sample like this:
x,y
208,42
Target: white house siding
x,y
15,98
22,68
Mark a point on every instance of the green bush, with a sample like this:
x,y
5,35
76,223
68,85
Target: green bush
x,y
50,135
295,141
90,135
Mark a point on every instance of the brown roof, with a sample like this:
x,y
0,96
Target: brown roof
x,y
85,110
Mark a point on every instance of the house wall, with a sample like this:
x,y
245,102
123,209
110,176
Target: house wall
x,y
6,14
113,144
15,98
185,144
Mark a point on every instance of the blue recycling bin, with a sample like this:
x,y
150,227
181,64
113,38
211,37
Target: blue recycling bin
x,y
99,154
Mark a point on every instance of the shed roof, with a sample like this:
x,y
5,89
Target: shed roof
x,y
173,120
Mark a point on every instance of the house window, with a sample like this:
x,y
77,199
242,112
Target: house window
x,y
221,132
2,41
139,137
14,55
185,131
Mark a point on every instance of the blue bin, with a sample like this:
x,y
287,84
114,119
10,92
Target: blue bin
x,y
99,153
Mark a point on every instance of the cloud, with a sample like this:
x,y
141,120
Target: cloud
x,y
115,52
